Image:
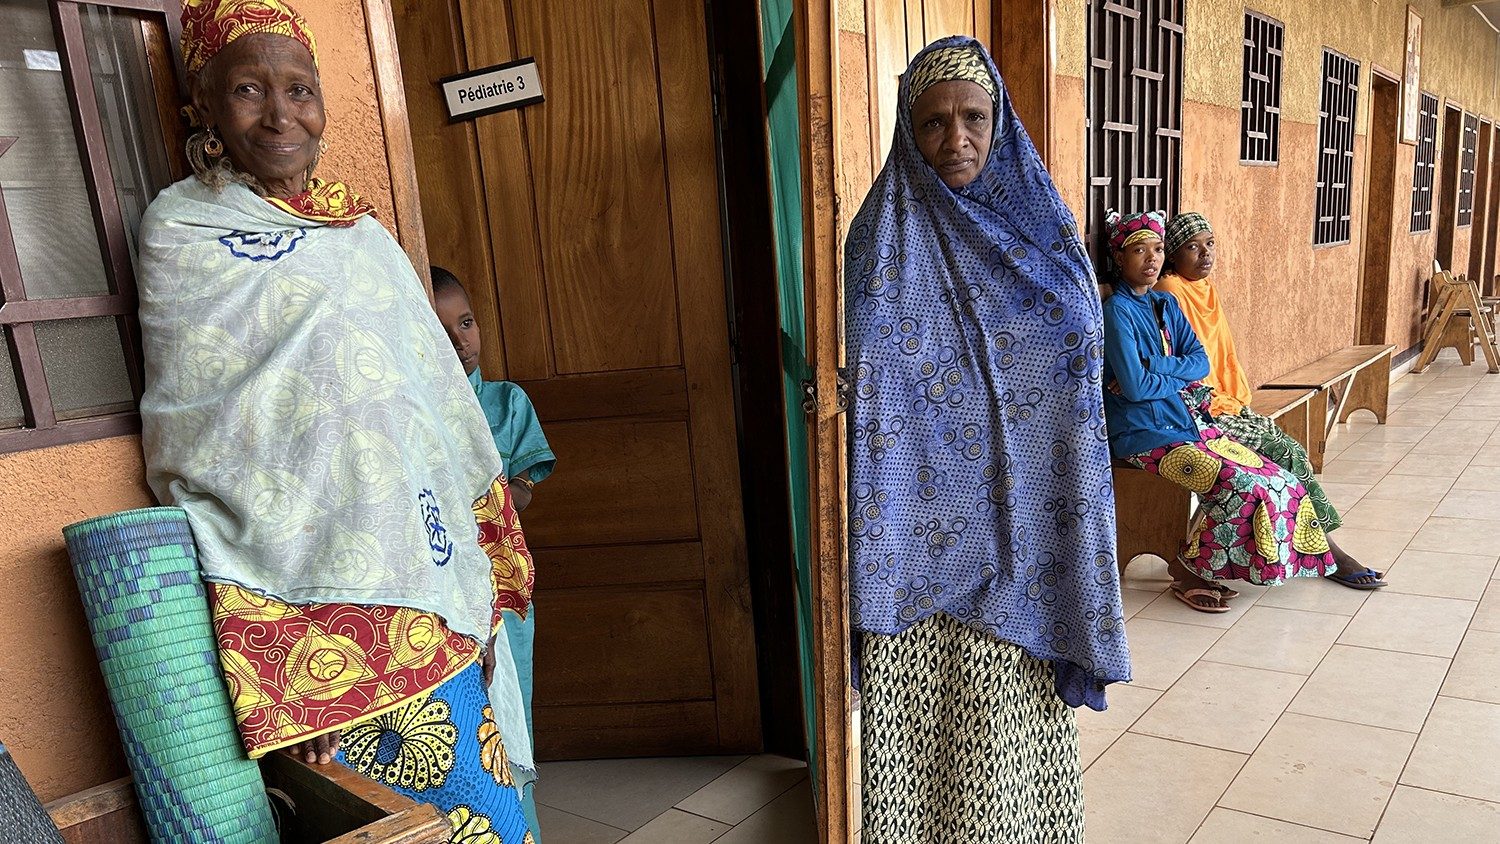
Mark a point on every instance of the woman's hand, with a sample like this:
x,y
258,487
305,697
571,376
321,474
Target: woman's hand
x,y
519,488
318,750
488,663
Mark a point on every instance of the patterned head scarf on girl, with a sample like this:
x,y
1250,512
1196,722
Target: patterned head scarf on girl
x,y
1132,229
209,26
979,479
1185,227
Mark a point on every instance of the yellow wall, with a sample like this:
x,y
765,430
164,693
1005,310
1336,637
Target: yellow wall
x,y
54,716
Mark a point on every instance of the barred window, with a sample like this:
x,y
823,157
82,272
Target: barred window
x,y
1260,106
1335,148
1135,108
87,106
1424,175
1468,161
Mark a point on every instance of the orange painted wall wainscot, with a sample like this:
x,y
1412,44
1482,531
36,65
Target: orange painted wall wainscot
x,y
54,715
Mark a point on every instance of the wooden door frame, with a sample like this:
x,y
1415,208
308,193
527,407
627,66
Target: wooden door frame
x,y
1481,235
1376,229
1450,159
400,153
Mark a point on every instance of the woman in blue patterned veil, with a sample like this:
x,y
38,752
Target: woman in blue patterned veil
x,y
984,591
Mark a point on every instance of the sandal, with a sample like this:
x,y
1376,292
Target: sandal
x,y
1187,595
1351,579
1226,593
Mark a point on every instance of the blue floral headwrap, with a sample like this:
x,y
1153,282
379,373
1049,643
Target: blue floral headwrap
x,y
979,477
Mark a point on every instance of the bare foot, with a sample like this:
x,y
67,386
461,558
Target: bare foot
x,y
1180,573
1350,569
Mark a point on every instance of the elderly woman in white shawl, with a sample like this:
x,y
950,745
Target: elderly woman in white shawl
x,y
305,409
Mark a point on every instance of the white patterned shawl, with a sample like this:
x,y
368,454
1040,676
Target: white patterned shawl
x,y
304,406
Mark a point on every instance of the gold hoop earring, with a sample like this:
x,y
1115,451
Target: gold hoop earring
x,y
212,145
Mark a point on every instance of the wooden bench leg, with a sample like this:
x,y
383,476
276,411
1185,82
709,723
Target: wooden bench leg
x,y
1371,390
1296,423
1318,427
1151,515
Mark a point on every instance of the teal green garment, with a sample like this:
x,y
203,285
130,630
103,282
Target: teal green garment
x,y
513,424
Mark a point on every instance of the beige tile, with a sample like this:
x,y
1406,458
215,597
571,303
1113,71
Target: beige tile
x,y
1471,504
1397,433
1388,514
1354,471
1410,488
1279,640
1474,675
1458,536
1478,477
1345,496
788,820
563,826
1098,730
1440,575
1432,465
1161,651
1147,572
1375,548
1136,600
1248,699
1168,607
1487,617
1457,750
677,827
1326,774
1417,816
627,793
1226,826
1129,802
1441,442
1388,452
1415,418
1468,430
1412,624
1314,594
1474,412
745,789
1488,456
1377,688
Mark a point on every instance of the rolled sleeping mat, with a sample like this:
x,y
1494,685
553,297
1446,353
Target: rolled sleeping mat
x,y
148,615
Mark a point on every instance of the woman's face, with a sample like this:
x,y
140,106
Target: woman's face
x,y
1194,260
1140,262
261,95
954,125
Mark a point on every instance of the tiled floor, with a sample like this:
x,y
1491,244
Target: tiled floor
x,y
1311,713
1315,713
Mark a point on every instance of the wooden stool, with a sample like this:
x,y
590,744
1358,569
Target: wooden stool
x,y
1151,514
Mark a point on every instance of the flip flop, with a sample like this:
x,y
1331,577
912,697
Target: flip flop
x,y
1350,580
1226,593
1187,595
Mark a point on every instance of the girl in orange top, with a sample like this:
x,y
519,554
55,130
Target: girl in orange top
x,y
1190,254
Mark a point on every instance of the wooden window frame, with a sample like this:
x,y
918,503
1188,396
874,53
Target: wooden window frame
x,y
1129,100
1468,162
1260,89
1424,168
18,315
1338,109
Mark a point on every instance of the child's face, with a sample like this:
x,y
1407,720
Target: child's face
x,y
1140,263
458,318
1194,260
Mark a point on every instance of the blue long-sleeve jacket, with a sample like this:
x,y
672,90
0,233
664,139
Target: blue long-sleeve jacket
x,y
1148,412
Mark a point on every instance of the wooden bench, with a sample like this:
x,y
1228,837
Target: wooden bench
x,y
1151,514
1355,378
1291,409
330,803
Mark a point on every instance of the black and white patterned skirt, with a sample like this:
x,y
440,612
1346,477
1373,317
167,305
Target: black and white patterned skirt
x,y
964,741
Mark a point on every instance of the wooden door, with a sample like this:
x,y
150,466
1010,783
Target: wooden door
x,y
1375,273
587,229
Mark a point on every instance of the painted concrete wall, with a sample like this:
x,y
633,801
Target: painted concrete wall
x,y
1288,302
54,715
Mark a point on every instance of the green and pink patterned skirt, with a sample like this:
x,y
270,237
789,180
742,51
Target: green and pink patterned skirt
x,y
1255,521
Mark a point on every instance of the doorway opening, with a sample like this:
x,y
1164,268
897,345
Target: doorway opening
x,y
1374,286
1453,132
1482,242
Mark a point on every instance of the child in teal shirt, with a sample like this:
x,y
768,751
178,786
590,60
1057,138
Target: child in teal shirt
x,y
519,439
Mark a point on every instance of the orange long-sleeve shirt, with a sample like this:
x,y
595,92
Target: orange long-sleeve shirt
x,y
1199,301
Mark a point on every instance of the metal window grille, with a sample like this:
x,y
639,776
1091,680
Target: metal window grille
x,y
1335,148
1135,108
118,93
1424,174
1468,160
1260,105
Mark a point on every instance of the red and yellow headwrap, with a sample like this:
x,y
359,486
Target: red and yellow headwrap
x,y
209,26
1124,231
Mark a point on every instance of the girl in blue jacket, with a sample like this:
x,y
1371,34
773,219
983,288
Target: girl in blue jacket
x,y
1255,521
